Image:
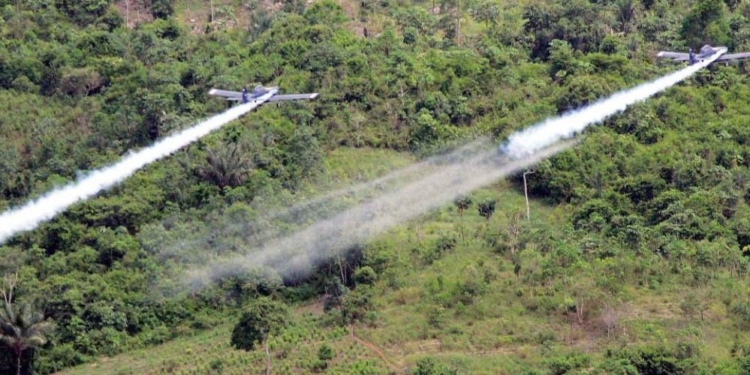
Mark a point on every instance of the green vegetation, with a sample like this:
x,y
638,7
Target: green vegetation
x,y
264,317
21,328
635,258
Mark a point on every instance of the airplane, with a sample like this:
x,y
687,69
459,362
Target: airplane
x,y
246,96
705,52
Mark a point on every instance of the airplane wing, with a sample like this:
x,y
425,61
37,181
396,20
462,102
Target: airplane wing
x,y
676,56
734,56
281,98
229,95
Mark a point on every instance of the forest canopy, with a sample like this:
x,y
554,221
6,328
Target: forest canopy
x,y
652,205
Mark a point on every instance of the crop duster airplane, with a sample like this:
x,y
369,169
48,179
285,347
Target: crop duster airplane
x,y
246,96
705,52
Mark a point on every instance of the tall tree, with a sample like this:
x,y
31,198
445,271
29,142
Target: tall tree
x,y
356,304
487,208
462,202
21,328
334,294
9,284
261,319
625,10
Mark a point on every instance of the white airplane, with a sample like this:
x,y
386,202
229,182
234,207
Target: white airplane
x,y
245,96
704,53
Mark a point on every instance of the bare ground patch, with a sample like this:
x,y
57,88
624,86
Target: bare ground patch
x,y
134,12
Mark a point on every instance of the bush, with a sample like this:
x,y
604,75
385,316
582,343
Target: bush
x,y
325,353
365,275
428,366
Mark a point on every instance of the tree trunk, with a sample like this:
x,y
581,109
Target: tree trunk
x,y
18,19
268,360
18,363
461,229
341,269
458,23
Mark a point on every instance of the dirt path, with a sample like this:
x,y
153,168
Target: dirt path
x,y
374,349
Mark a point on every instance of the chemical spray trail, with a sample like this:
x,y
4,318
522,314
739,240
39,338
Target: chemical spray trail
x,y
410,171
46,207
310,209
537,137
300,252
223,232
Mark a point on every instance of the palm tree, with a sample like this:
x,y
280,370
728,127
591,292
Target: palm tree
x,y
226,165
21,329
626,12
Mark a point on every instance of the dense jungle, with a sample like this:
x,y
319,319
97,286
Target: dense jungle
x,y
633,258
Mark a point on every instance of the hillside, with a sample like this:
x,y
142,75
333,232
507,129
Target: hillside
x,y
505,329
635,259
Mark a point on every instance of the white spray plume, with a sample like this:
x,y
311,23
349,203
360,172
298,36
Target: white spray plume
x,y
227,232
46,207
300,252
550,131
412,172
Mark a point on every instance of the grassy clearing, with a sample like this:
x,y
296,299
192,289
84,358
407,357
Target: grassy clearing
x,y
227,14
210,352
354,165
347,173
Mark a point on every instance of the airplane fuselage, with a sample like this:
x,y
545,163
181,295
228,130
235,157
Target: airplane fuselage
x,y
270,94
257,92
704,53
707,52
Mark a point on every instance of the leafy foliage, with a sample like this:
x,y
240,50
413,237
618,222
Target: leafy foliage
x,y
652,205
262,318
22,329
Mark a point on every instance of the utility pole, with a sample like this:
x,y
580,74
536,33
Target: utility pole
x,y
526,193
